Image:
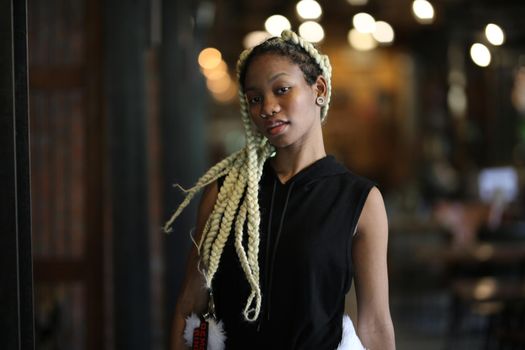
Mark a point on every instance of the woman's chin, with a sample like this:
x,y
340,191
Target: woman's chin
x,y
278,143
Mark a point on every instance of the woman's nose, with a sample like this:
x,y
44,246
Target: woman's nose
x,y
269,107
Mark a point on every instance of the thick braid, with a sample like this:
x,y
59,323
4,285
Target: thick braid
x,y
219,224
253,139
225,229
249,262
211,175
226,224
253,218
253,248
253,279
213,223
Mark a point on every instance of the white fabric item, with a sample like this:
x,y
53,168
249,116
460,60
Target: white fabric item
x,y
349,340
216,334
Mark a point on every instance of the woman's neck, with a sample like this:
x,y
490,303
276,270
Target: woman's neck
x,y
291,160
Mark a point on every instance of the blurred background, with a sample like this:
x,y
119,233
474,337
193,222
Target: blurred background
x,y
128,98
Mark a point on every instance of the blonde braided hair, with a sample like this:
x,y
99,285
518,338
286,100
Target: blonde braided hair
x,y
242,171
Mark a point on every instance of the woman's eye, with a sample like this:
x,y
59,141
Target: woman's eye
x,y
283,90
254,100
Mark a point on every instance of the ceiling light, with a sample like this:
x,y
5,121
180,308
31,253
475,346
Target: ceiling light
x,y
457,100
311,31
494,34
423,10
480,54
276,24
384,32
309,9
361,41
357,2
209,58
221,67
227,95
255,38
219,86
364,22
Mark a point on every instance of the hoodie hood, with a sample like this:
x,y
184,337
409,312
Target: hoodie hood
x,y
321,168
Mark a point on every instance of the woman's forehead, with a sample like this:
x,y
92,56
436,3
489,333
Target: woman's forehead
x,y
267,66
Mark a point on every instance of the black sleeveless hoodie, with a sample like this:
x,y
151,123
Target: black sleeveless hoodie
x,y
305,260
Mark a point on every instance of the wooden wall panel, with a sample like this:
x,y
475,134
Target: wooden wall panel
x,y
67,140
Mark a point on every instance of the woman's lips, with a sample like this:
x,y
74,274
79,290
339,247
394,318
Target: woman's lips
x,y
276,127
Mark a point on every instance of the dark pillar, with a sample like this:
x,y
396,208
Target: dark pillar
x,y
183,133
16,286
125,43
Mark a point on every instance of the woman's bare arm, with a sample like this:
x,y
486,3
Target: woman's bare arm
x,y
193,296
369,251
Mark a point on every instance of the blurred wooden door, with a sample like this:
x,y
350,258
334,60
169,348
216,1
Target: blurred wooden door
x,y
67,141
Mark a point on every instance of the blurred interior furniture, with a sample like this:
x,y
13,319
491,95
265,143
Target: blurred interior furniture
x,y
487,286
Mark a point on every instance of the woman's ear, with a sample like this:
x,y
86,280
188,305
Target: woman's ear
x,y
320,86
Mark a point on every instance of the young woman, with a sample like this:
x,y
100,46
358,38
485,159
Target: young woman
x,y
283,228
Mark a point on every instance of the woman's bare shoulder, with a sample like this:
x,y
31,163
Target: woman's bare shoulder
x,y
373,216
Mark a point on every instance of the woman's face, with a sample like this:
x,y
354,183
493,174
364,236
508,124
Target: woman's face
x,y
280,101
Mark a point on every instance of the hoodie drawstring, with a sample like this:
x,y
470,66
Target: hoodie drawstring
x,y
276,244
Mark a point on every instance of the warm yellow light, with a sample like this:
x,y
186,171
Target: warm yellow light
x,y
423,10
309,9
219,86
485,288
484,252
494,34
480,54
228,95
384,32
357,2
216,74
311,31
361,41
276,24
209,58
255,38
221,67
364,23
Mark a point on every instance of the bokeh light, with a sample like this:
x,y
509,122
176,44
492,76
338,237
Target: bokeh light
x,y
218,86
311,31
384,33
494,34
361,41
227,95
221,67
357,2
209,58
480,54
364,22
457,100
276,24
423,11
255,38
309,9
